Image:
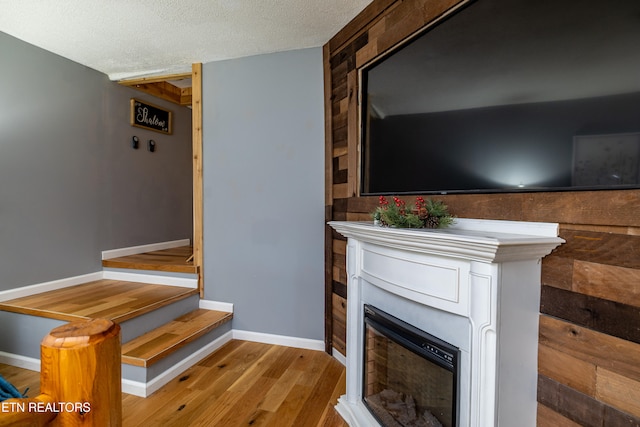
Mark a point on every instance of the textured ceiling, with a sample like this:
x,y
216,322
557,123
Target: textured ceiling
x,y
134,38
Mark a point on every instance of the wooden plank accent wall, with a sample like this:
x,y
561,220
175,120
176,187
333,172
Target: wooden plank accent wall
x,y
589,352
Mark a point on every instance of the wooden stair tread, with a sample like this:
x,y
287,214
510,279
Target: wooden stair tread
x,y
116,300
147,349
171,260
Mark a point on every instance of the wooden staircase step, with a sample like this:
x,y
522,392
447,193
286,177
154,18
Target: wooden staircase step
x,y
147,349
171,260
110,299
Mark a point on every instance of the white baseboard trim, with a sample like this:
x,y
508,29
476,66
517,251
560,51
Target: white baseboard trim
x,y
115,253
136,388
183,282
339,356
305,343
49,286
26,291
227,307
141,389
19,361
146,389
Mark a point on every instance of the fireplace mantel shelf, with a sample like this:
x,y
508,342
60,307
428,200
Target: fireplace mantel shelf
x,y
475,285
478,240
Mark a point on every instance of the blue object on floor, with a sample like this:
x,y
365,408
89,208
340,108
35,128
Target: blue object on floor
x,y
7,390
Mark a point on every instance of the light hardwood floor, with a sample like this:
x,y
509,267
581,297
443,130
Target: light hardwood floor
x,y
174,259
116,300
242,384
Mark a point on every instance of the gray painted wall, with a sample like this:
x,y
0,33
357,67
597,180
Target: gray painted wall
x,y
70,185
263,131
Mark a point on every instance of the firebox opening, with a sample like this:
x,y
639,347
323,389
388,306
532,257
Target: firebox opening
x,y
410,376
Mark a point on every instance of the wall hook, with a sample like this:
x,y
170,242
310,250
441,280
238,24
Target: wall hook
x,y
152,145
134,142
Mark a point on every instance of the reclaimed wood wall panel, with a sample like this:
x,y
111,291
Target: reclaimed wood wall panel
x,y
339,317
609,317
557,272
619,391
579,408
549,418
575,373
589,363
602,350
360,23
616,249
607,281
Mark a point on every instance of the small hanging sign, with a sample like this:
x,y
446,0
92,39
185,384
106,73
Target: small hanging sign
x,y
149,116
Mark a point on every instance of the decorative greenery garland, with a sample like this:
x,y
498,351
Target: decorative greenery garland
x,y
425,214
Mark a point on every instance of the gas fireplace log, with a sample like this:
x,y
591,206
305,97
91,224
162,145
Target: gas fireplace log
x,y
397,409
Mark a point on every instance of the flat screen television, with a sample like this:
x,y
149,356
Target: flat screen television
x,y
507,96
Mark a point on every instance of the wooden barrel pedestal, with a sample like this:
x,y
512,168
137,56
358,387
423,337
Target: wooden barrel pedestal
x,y
80,369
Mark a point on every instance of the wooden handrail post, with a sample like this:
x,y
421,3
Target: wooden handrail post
x,y
80,369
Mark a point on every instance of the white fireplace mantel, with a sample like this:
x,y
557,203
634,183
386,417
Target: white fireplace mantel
x,y
475,285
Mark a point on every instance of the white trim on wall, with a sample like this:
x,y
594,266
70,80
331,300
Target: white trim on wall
x,y
115,253
49,286
136,388
227,307
20,361
141,389
25,291
296,342
339,356
184,282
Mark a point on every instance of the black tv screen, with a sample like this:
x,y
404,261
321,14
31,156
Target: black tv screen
x,y
508,96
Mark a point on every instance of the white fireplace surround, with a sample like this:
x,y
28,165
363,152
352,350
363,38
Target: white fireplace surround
x,y
475,285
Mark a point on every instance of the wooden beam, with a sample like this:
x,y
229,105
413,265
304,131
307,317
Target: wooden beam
x,y
161,87
328,201
196,117
155,79
353,135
